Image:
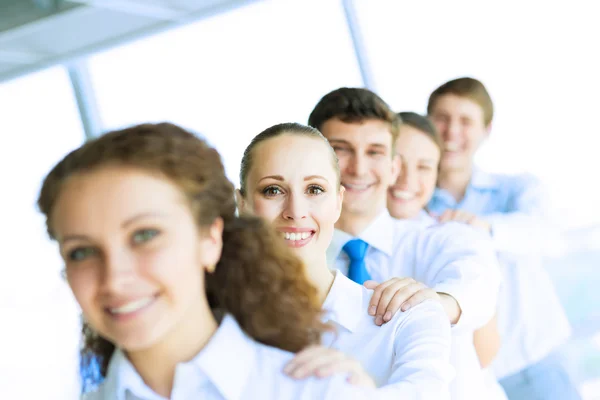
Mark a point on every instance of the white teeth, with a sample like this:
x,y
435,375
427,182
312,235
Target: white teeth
x,y
404,195
132,306
451,146
356,187
296,236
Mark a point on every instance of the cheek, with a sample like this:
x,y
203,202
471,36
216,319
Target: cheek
x,y
84,283
267,209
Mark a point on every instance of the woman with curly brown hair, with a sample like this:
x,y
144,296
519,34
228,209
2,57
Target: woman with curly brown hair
x,y
290,176
145,221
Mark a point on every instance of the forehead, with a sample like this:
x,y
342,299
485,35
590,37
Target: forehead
x,y
457,105
412,141
110,195
292,154
365,133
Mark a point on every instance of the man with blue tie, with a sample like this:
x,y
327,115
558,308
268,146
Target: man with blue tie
x,y
451,263
531,320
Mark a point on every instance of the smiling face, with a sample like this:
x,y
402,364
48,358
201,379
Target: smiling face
x,y
366,164
294,185
134,255
461,124
420,157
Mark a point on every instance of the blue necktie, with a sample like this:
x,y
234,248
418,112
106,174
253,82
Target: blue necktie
x,y
357,250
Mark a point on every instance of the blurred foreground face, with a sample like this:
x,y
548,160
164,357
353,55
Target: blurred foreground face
x,y
134,256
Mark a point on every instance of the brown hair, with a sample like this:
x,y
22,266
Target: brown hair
x,y
258,279
353,105
291,128
469,88
422,124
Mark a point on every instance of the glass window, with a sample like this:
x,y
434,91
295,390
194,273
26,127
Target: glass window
x,y
232,75
544,82
40,324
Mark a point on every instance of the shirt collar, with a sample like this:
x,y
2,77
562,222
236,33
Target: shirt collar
x,y
226,360
379,234
344,302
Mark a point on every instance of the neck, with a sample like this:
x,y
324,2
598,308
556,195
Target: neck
x,y
156,365
320,276
355,224
455,181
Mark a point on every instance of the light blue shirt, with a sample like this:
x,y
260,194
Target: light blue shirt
x,y
231,366
531,320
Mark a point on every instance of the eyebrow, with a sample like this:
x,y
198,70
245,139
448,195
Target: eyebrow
x,y
342,141
125,224
280,178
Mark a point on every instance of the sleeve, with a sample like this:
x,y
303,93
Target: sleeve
x,y
524,227
421,368
461,261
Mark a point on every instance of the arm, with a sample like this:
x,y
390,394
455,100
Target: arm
x,y
522,228
460,262
421,367
487,342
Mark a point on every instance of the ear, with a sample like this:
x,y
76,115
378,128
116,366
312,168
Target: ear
x,y
488,130
340,202
240,201
211,245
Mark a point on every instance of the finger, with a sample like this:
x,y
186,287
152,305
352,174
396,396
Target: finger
x,y
304,356
403,296
345,364
395,305
311,366
447,215
377,294
419,297
370,284
389,292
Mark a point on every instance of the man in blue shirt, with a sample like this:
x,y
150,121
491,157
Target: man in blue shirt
x,y
531,320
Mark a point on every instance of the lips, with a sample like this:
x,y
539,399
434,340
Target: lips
x,y
403,194
357,187
131,307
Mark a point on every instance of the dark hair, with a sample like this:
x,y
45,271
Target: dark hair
x,y
258,279
469,88
275,131
422,124
353,105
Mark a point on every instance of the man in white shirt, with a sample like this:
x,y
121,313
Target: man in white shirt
x,y
531,320
451,263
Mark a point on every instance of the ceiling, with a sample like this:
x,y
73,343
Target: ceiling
x,y
35,34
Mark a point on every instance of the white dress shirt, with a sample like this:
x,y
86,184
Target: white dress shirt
x,y
531,320
408,357
450,258
230,367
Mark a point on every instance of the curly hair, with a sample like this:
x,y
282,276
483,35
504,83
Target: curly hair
x,y
258,279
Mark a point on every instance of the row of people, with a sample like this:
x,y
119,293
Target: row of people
x,y
183,298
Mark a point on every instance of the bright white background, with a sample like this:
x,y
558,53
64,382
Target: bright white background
x,y
272,62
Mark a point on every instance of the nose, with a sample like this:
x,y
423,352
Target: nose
x,y
452,130
408,178
295,207
119,271
357,165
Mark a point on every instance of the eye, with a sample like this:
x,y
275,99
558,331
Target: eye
x,y
340,148
144,235
376,153
81,253
271,191
425,167
315,190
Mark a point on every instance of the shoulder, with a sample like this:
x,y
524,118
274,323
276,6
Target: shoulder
x,y
515,182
